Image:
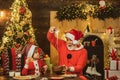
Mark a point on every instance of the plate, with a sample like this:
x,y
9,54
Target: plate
x,y
24,77
69,75
57,78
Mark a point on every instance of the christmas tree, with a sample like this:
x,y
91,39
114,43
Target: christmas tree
x,y
19,32
19,28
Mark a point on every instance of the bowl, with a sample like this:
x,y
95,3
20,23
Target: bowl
x,y
58,70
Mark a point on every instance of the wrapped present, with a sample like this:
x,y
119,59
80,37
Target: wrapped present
x,y
113,78
115,64
110,73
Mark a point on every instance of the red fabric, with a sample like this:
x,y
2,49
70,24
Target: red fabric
x,y
83,78
113,78
113,54
2,56
79,57
13,53
31,68
13,59
39,50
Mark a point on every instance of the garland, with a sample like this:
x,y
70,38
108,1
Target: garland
x,y
81,11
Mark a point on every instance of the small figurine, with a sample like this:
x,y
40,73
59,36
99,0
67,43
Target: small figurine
x,y
47,60
92,68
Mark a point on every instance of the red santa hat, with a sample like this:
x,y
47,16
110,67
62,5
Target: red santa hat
x,y
31,51
74,35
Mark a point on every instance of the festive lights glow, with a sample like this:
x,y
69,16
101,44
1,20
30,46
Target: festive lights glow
x,y
81,11
2,14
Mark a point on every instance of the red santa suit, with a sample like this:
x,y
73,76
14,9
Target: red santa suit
x,y
35,66
74,58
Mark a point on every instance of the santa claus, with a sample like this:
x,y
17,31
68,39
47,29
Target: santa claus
x,y
72,54
34,65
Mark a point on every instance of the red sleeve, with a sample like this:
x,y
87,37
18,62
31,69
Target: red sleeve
x,y
82,61
24,71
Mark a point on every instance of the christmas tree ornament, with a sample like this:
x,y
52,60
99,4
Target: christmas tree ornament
x,y
5,58
19,34
18,24
17,45
22,10
27,33
110,30
28,14
22,23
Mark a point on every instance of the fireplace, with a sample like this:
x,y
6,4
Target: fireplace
x,y
94,46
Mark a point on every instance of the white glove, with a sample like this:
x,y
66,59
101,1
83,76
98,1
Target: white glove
x,y
52,29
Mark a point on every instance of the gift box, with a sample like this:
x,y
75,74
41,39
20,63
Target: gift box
x,y
110,73
115,65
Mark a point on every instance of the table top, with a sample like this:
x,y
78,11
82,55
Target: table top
x,y
49,77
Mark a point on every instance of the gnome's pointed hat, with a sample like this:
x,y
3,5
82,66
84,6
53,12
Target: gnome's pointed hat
x,y
31,51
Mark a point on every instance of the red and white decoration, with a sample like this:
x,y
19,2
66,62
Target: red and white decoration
x,y
111,73
102,4
110,30
113,54
5,60
115,65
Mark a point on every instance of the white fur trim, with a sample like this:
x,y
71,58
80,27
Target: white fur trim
x,y
37,73
75,48
71,36
75,41
72,69
31,50
26,66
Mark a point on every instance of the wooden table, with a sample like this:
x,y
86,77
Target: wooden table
x,y
6,77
